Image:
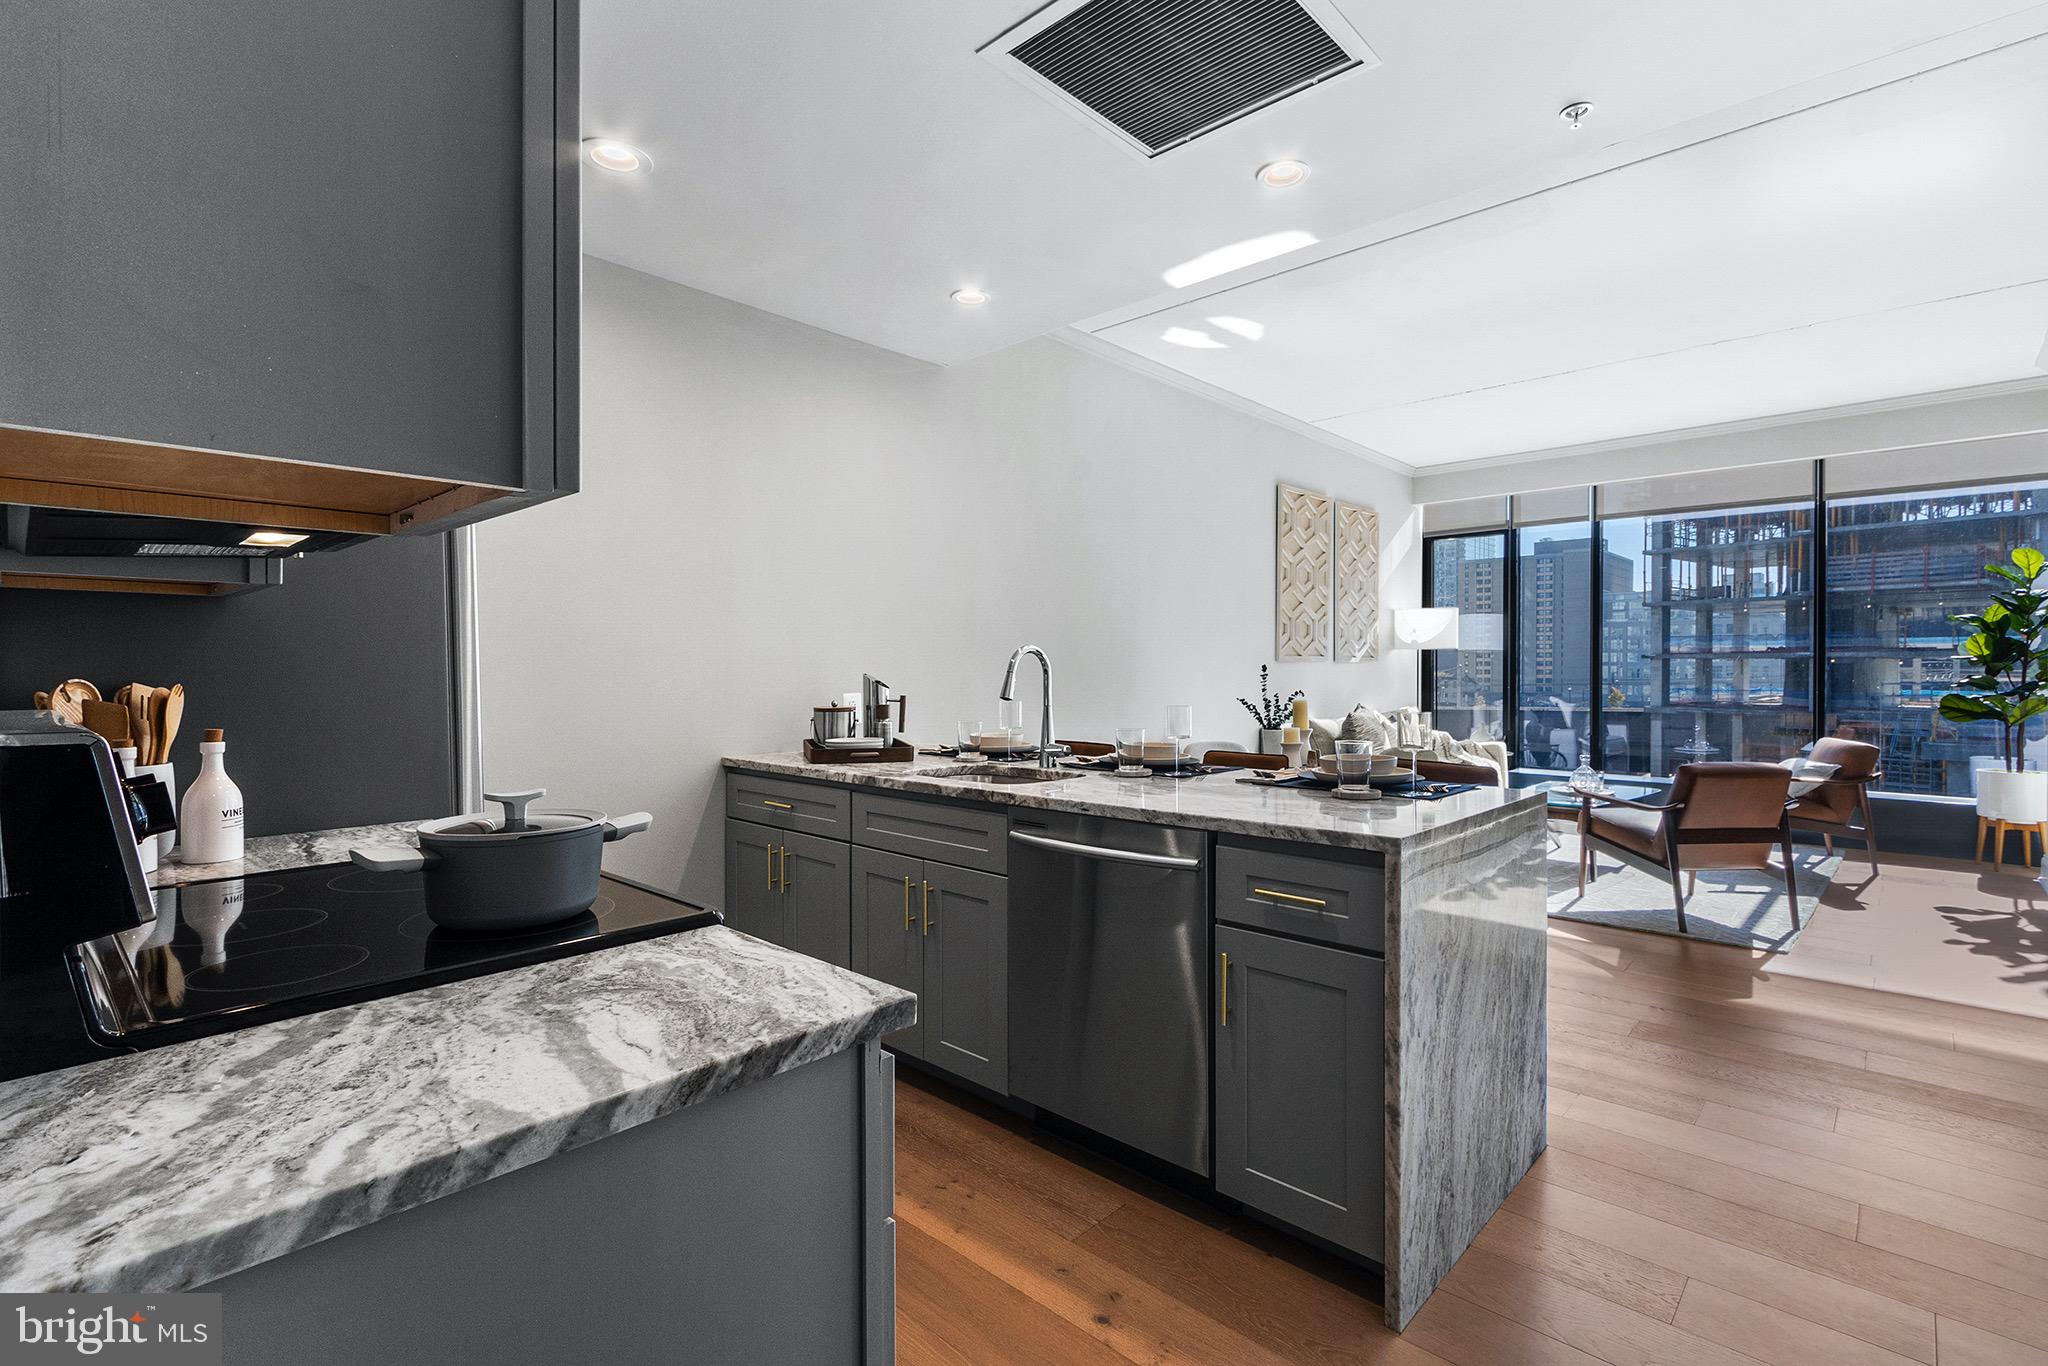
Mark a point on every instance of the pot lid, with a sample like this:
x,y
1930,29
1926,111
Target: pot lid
x,y
516,823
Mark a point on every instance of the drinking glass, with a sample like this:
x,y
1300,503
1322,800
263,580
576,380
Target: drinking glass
x,y
1180,728
1130,750
966,731
1354,766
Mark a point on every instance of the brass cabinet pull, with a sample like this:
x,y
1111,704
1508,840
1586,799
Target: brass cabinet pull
x,y
906,904
927,908
1226,988
1289,896
771,867
779,806
785,868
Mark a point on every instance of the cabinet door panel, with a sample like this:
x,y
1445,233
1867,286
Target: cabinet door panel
x,y
966,1005
888,930
815,888
753,897
1300,1081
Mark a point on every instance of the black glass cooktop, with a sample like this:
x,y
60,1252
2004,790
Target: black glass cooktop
x,y
241,951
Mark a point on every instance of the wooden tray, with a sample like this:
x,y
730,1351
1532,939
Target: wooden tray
x,y
902,752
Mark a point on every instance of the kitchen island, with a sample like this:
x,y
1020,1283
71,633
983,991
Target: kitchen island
x,y
587,1158
1431,914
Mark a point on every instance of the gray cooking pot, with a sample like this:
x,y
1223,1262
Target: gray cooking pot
x,y
491,875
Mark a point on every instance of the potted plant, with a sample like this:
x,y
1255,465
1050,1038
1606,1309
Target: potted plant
x,y
2008,647
1273,713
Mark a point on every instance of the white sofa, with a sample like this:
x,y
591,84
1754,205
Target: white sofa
x,y
1364,722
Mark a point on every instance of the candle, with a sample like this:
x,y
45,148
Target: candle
x,y
1290,735
1301,713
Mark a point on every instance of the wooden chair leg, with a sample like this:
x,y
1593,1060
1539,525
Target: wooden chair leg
x,y
1828,841
1998,847
1869,827
1983,829
1692,883
1582,865
1678,900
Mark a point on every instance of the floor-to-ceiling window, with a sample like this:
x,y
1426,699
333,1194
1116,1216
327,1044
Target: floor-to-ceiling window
x,y
1658,622
1466,688
1554,554
1900,564
1707,619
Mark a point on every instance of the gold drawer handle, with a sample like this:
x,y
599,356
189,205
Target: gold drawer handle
x,y
785,868
779,806
771,867
1289,896
906,904
1226,988
927,908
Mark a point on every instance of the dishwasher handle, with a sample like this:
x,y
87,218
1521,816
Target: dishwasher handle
x,y
1098,851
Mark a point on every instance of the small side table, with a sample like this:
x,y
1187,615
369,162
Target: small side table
x,y
1998,830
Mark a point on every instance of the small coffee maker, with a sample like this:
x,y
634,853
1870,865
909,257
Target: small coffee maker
x,y
69,873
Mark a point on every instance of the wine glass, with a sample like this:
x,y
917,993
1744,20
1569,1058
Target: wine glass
x,y
1180,728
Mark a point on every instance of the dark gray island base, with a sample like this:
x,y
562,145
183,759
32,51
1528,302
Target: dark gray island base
x,y
1361,1060
675,1150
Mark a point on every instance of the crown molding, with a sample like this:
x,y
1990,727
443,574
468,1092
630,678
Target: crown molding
x,y
1095,346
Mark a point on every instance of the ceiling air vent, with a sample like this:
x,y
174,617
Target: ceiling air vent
x,y
1157,74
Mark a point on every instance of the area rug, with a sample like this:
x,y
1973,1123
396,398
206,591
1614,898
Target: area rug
x,y
1740,906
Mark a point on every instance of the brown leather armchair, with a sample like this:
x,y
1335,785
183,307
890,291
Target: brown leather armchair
x,y
1714,816
1832,807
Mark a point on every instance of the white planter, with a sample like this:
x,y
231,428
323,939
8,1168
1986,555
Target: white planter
x,y
1269,742
2015,798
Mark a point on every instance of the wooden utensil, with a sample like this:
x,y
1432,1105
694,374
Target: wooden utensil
x,y
69,699
174,713
42,701
109,720
159,703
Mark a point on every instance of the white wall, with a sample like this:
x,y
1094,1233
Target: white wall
x,y
768,511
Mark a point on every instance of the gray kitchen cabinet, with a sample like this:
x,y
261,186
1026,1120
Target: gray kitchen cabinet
x,y
312,265
1300,1085
754,903
815,897
965,1004
888,930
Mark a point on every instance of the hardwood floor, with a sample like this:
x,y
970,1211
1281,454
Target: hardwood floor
x,y
1744,1166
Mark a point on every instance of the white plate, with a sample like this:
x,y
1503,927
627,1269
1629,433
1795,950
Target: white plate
x,y
854,742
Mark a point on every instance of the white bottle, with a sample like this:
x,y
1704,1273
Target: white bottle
x,y
210,817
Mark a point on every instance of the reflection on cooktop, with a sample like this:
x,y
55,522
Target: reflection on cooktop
x,y
269,969
233,952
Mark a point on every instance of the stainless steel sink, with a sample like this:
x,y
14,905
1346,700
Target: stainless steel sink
x,y
1003,775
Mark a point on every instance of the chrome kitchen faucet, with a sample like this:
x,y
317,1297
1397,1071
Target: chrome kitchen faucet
x,y
1046,757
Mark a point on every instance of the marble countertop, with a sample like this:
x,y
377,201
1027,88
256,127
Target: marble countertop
x,y
163,1170
274,853
1215,802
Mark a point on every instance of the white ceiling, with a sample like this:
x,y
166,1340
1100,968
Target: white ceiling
x,y
849,166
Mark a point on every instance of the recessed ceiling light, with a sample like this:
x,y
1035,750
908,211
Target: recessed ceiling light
x,y
970,297
1283,175
1242,327
1194,338
273,540
1237,255
1575,112
609,154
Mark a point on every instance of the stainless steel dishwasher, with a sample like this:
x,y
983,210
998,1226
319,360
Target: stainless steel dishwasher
x,y
1109,979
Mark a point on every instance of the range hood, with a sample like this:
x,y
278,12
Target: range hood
x,y
47,531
